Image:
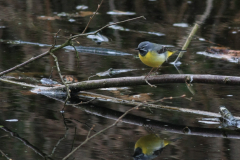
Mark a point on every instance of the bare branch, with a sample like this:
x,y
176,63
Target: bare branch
x,y
134,81
3,154
24,63
164,98
90,131
20,83
92,33
59,141
90,19
25,142
58,69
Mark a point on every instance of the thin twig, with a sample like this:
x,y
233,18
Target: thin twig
x,y
75,51
24,63
89,132
150,109
60,75
194,30
92,33
64,120
90,19
164,98
72,119
65,135
3,154
21,83
58,69
89,138
25,142
55,147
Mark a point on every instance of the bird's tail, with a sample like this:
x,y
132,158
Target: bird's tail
x,y
171,52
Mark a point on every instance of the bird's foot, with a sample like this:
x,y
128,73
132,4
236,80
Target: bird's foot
x,y
150,83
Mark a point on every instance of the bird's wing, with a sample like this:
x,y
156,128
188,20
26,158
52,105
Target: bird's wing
x,y
161,50
171,49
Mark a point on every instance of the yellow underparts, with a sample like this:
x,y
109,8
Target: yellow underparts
x,y
153,59
150,143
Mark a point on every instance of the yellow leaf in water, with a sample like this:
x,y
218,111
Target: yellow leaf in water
x,y
85,13
48,18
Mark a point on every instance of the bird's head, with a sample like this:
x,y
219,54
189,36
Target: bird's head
x,y
139,155
144,47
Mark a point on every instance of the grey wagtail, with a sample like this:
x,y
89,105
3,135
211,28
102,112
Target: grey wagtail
x,y
153,55
150,146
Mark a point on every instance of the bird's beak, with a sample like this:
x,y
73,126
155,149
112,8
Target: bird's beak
x,y
136,48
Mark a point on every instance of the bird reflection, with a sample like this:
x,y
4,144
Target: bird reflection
x,y
149,147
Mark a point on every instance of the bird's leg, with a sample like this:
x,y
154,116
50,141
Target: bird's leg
x,y
156,70
147,80
149,73
149,83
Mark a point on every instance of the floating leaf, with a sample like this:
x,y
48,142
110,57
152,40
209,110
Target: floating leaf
x,y
69,79
85,13
48,18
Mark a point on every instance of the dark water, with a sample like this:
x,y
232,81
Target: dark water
x,y
27,29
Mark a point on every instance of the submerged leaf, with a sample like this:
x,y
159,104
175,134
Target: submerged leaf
x,y
69,79
50,18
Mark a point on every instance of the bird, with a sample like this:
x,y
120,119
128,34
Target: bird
x,y
150,146
154,55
